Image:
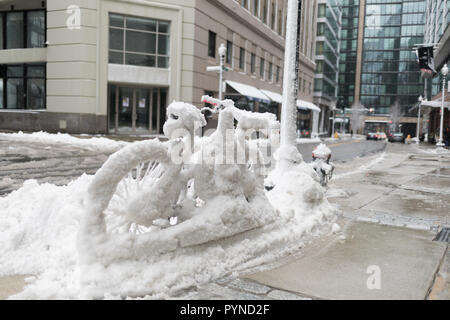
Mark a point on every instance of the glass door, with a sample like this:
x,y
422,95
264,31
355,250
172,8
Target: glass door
x,y
142,110
125,111
136,110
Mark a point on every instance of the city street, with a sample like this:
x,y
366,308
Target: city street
x,y
393,200
60,163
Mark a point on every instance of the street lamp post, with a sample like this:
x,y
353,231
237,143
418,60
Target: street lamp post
x,y
444,72
222,53
418,121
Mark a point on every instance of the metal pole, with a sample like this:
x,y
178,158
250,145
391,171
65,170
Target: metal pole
x,y
221,78
444,73
222,53
288,134
334,117
418,124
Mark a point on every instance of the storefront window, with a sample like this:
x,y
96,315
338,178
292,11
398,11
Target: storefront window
x,y
22,29
35,29
14,30
25,86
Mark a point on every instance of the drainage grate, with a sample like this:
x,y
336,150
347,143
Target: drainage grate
x,y
443,235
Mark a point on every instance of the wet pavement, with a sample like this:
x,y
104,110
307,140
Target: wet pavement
x,y
59,163
53,163
391,212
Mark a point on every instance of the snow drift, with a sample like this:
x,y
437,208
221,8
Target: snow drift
x,y
109,234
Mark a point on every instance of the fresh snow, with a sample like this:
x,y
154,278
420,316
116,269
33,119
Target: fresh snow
x,y
96,143
94,238
38,237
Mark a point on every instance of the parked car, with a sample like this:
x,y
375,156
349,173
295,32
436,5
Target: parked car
x,y
305,134
382,136
396,137
372,136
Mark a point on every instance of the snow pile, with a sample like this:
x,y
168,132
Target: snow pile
x,y
321,151
38,237
308,140
109,235
95,143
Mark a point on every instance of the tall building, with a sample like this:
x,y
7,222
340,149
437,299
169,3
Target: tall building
x,y
437,32
113,66
329,15
378,66
437,19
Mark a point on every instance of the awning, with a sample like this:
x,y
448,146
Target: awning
x,y
276,97
246,90
377,121
305,105
341,120
435,104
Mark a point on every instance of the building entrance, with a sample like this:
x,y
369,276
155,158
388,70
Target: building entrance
x,y
136,110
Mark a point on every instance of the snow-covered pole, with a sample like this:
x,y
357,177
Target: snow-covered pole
x,y
288,126
222,53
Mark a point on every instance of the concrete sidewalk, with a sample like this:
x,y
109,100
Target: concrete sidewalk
x,y
391,214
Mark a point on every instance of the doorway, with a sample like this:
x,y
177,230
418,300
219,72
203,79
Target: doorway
x,y
136,110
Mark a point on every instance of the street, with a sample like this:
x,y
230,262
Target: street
x,y
59,163
345,150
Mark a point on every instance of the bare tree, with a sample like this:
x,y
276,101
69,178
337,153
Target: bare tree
x,y
357,117
396,113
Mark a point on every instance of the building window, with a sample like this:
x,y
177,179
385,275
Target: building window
x,y
261,68
35,29
212,44
252,63
25,86
322,10
22,29
14,30
139,41
273,12
270,71
244,3
229,57
277,75
241,58
255,7
264,11
280,22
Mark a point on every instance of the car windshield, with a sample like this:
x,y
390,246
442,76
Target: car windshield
x,y
398,134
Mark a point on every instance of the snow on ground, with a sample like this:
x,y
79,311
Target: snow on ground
x,y
96,143
38,237
308,140
362,168
431,150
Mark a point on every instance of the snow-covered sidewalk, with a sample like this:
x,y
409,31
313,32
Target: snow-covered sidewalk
x,y
92,142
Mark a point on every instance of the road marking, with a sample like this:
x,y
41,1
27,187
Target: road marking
x,y
341,143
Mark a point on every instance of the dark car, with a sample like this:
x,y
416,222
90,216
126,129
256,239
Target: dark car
x,y
396,137
372,136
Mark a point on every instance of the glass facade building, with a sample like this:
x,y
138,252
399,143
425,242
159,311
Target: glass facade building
x,y
329,16
348,51
388,68
436,21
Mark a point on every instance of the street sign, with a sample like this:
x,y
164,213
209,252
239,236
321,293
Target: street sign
x,y
217,69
